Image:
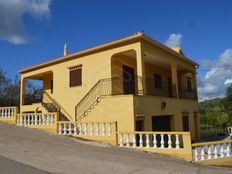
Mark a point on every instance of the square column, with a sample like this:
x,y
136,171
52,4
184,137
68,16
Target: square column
x,y
141,71
194,83
175,77
22,91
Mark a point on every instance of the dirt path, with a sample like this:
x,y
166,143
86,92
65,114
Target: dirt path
x,y
59,154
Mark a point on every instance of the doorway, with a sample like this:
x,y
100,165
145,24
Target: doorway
x,y
161,123
128,80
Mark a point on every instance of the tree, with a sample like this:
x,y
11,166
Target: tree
x,y
228,103
10,91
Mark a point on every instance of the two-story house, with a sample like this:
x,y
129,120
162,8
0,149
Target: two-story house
x,y
135,80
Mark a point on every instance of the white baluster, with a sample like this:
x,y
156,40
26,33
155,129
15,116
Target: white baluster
x,y
127,140
209,152
65,130
60,128
46,117
91,129
52,119
215,152
154,141
140,140
32,119
70,129
147,141
109,130
86,128
40,119
25,120
228,150
162,140
177,141
103,129
97,129
43,119
196,154
134,140
222,155
169,141
121,139
18,120
80,129
21,120
74,129
202,153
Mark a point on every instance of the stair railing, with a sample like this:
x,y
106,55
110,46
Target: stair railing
x,y
57,105
106,87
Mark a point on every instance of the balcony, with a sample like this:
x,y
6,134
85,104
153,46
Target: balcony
x,y
164,89
187,93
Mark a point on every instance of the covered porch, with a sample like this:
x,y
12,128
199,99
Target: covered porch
x,y
147,74
36,105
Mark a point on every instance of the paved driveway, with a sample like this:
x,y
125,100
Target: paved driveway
x,y
59,154
8,166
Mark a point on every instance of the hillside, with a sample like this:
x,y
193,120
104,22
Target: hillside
x,y
212,106
213,113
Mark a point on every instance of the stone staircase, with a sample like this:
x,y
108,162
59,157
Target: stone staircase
x,y
51,107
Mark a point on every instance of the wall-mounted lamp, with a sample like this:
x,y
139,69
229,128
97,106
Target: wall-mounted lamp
x,y
163,105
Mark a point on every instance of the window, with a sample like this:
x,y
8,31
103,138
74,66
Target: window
x,y
185,120
158,81
189,84
75,77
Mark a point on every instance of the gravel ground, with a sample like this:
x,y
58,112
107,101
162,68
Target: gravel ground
x,y
65,155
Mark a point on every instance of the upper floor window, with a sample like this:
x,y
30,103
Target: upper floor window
x,y
189,84
75,76
158,81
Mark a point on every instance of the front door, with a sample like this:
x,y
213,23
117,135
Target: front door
x,y
159,124
139,126
128,80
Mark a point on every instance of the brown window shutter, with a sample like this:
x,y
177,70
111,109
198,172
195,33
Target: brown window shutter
x,y
79,77
75,77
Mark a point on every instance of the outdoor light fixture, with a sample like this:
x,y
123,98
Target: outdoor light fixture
x,y
163,105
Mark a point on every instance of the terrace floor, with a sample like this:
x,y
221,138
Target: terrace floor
x,y
62,154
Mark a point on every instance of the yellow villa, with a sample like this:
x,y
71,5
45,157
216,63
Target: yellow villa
x,y
131,92
136,81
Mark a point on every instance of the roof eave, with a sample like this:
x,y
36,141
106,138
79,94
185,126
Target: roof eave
x,y
64,58
171,51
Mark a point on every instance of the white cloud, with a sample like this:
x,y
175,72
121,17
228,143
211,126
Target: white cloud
x,y
174,40
17,39
12,26
215,81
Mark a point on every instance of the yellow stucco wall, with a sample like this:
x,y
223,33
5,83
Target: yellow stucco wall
x,y
115,108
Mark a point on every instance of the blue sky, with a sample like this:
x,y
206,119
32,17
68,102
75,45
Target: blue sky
x,y
35,31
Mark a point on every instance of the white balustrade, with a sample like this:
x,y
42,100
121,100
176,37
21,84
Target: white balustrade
x,y
8,112
36,119
215,150
150,140
85,129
